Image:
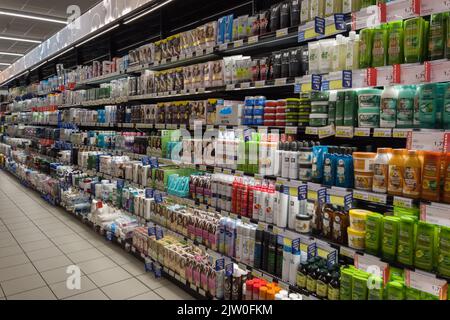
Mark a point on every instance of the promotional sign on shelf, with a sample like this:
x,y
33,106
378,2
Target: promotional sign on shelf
x,y
373,265
427,283
402,9
369,17
435,213
430,140
428,7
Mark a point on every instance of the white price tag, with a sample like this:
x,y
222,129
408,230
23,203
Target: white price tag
x,y
371,265
403,202
400,133
201,90
223,46
238,43
260,83
239,173
257,273
385,76
425,282
400,10
344,132
201,292
245,85
311,130
209,50
326,131
412,74
253,39
368,17
360,195
281,33
382,132
227,171
290,130
436,213
347,252
430,140
440,70
230,87
199,53
428,7
280,81
263,226
362,132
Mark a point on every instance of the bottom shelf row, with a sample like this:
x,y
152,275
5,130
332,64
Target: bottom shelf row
x,y
288,270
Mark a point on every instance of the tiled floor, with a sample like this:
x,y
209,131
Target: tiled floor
x,y
39,241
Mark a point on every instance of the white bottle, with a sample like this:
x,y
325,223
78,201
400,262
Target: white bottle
x,y
294,209
352,57
295,261
293,165
286,164
276,205
287,256
263,203
270,206
239,241
251,245
283,210
388,107
257,194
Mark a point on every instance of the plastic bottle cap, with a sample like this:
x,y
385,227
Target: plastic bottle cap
x,y
284,293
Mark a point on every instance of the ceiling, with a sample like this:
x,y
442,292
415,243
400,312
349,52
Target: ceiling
x,y
19,27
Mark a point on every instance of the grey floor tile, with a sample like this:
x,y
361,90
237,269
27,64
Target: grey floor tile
x,y
75,246
64,231
7,242
43,293
30,237
61,291
17,272
95,294
44,221
15,220
97,265
52,226
136,268
172,292
120,258
85,255
37,245
150,295
10,251
109,276
66,239
11,261
21,225
56,275
19,233
52,263
15,286
152,282
46,253
125,289
110,249
6,235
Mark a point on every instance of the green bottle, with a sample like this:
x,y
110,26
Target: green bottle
x,y
405,107
437,36
395,46
446,108
395,290
406,236
428,105
390,237
413,39
365,48
443,255
380,46
347,282
424,251
373,233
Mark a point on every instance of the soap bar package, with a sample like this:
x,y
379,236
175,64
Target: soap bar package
x,y
424,251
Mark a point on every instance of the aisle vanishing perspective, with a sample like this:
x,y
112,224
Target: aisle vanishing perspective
x,y
39,241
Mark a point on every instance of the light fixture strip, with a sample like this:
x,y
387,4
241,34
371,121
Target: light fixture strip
x,y
32,17
148,11
19,39
10,54
97,35
4,64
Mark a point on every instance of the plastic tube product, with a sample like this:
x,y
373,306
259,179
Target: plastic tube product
x,y
286,164
287,256
270,206
251,234
293,165
239,241
284,210
258,249
295,262
257,195
294,208
262,206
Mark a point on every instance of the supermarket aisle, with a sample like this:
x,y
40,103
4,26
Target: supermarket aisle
x,y
38,242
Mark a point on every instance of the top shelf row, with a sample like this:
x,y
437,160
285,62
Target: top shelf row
x,y
277,27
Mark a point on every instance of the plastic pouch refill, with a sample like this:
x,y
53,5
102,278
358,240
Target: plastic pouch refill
x,y
295,56
276,64
424,251
443,255
294,12
346,282
406,234
376,290
275,17
359,286
285,15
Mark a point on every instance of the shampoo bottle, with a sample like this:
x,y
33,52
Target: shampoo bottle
x,y
395,47
414,35
437,36
380,46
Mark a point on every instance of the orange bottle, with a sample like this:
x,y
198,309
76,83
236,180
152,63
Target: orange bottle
x,y
446,193
412,183
431,176
396,172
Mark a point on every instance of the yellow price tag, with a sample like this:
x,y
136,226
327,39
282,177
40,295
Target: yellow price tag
x,y
303,247
335,84
312,195
310,33
322,253
306,87
339,201
330,29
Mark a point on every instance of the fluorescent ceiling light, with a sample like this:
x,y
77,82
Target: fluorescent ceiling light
x,y
97,35
11,54
28,16
60,54
19,39
38,66
4,64
148,11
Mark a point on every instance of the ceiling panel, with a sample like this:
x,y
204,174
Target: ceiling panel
x,y
34,29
